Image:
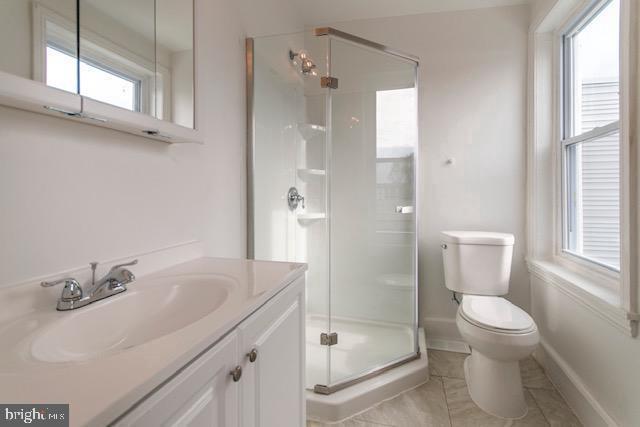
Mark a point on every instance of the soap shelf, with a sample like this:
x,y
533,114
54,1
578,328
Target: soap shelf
x,y
307,218
307,173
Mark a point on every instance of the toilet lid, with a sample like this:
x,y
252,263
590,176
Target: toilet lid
x,y
495,313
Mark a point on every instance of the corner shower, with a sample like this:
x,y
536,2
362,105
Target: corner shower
x,y
332,182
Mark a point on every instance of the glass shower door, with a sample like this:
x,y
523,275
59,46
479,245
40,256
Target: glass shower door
x,y
372,163
287,154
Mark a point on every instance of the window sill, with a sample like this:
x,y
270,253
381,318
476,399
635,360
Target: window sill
x,y
602,301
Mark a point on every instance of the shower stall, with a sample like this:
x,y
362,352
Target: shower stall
x,y
332,164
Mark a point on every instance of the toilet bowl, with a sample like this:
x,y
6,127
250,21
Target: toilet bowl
x,y
497,345
477,265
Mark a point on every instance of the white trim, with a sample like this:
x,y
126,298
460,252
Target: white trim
x,y
629,197
579,264
40,15
570,385
448,345
594,133
603,302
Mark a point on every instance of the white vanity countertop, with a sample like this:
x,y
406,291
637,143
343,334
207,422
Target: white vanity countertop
x,y
100,389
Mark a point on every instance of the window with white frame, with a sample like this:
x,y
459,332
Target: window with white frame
x,y
591,137
98,81
107,72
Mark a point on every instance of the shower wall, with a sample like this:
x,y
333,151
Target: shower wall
x,y
279,105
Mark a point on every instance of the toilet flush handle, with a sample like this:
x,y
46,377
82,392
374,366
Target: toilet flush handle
x,y
443,246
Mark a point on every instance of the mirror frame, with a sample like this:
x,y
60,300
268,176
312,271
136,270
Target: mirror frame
x,y
35,96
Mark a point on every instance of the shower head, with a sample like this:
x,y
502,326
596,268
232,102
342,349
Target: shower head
x,y
307,66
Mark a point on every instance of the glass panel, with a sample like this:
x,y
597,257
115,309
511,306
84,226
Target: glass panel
x,y
593,199
289,132
595,73
174,56
373,145
118,53
53,24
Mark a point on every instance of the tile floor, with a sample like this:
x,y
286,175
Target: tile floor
x,y
444,401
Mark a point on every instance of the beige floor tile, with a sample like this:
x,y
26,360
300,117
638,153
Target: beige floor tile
x,y
554,408
464,412
347,423
446,363
533,375
444,401
423,406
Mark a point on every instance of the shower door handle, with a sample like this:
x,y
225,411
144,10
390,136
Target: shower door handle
x,y
404,209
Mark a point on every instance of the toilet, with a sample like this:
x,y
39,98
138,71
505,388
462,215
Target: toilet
x,y
477,266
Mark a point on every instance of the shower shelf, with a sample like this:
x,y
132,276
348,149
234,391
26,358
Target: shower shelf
x,y
310,131
306,173
310,217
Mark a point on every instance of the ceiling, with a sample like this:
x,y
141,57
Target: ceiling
x,y
329,11
267,17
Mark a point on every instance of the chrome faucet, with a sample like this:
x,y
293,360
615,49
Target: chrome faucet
x,y
74,296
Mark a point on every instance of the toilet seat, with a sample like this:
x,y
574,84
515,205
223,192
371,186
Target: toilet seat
x,y
495,314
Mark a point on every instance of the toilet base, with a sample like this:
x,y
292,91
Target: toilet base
x,y
495,385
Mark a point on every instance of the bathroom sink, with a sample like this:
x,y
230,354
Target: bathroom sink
x,y
144,312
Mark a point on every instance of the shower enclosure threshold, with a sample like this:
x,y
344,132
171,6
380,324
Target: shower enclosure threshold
x,y
364,394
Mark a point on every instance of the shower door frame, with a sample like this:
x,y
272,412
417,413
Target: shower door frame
x,y
250,164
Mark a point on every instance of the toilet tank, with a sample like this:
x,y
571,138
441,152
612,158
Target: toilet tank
x,y
477,262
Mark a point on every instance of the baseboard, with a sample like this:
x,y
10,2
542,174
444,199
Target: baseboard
x,y
441,328
569,384
448,345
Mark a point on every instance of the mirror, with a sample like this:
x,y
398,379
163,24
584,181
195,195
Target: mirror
x,y
138,55
117,53
38,41
174,59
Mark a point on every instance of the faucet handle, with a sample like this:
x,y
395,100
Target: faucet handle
x,y
72,290
126,264
57,282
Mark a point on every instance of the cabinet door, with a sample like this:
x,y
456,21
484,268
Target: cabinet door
x,y
273,384
204,394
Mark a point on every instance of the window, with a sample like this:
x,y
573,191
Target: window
x,y
108,72
591,137
395,129
109,86
97,82
61,68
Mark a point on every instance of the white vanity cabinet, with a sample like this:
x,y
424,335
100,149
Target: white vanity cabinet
x,y
267,347
272,343
204,394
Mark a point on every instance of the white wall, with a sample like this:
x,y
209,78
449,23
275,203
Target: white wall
x,y
73,193
473,67
595,365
